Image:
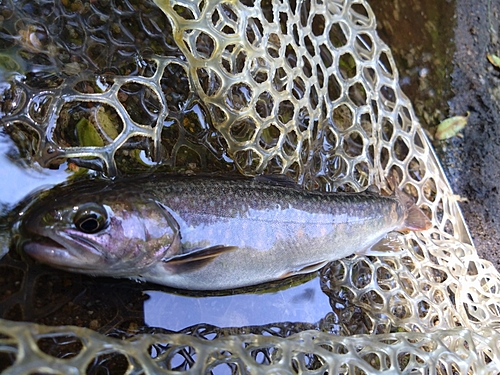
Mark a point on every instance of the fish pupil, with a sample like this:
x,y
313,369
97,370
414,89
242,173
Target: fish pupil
x,y
91,218
89,224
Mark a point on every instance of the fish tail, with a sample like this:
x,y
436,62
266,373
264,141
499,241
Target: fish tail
x,y
415,219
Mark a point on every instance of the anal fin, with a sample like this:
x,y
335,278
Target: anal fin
x,y
303,270
387,246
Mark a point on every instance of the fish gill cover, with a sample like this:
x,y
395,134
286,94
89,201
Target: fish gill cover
x,y
302,88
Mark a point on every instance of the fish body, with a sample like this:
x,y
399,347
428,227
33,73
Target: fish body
x,y
202,233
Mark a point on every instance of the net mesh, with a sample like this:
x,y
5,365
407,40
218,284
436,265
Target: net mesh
x,y
305,89
457,351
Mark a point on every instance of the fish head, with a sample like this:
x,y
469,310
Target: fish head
x,y
104,231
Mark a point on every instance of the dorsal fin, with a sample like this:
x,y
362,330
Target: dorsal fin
x,y
277,180
373,189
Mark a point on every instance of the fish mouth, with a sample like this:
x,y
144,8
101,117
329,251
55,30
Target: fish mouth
x,y
48,251
63,250
42,242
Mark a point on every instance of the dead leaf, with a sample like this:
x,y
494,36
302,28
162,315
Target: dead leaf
x,y
451,126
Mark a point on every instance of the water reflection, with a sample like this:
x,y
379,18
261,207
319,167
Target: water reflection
x,y
303,303
36,293
17,182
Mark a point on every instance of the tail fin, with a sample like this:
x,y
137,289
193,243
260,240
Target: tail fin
x,y
415,219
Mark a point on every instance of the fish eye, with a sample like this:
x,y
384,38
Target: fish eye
x,y
91,218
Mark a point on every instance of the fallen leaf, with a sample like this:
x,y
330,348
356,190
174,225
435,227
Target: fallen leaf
x,y
451,126
494,59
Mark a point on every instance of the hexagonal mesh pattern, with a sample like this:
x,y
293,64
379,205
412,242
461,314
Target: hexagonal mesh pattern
x,y
302,88
292,87
458,351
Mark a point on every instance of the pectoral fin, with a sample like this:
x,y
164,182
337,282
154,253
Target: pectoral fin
x,y
196,258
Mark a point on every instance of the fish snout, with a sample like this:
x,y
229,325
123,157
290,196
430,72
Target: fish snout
x,y
64,251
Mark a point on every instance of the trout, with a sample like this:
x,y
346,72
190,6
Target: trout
x,y
206,233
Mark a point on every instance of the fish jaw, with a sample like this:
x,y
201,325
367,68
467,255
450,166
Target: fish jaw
x,y
64,249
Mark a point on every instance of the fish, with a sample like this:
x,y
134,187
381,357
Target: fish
x,y
204,232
